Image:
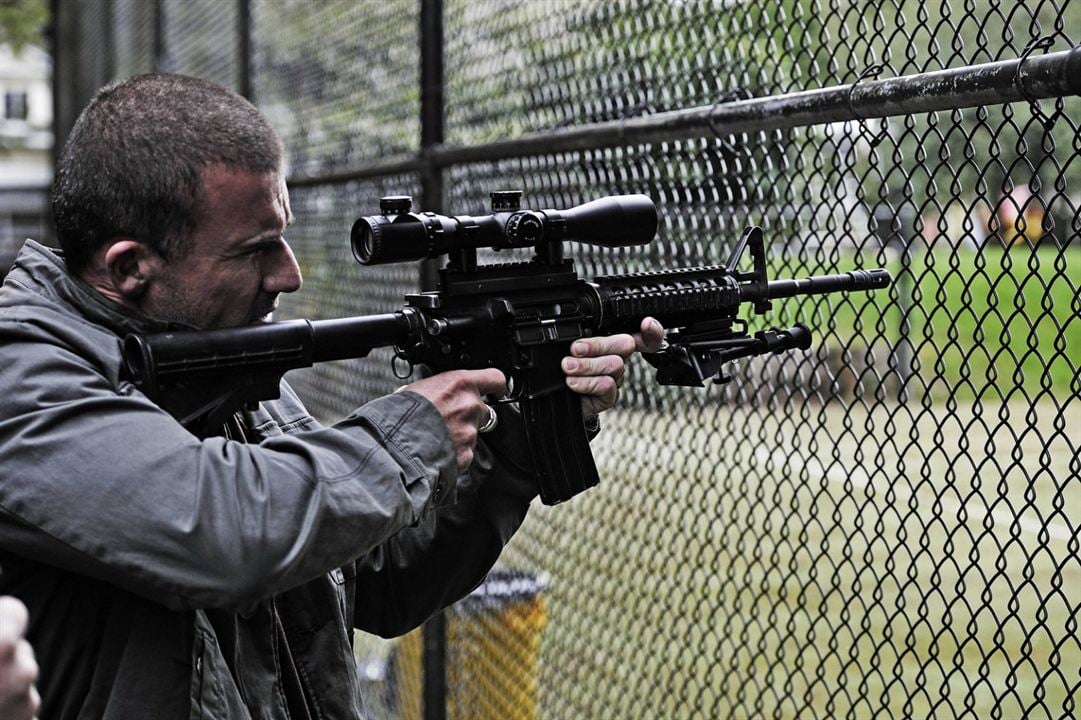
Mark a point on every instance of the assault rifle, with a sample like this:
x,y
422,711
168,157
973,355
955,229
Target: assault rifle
x,y
520,317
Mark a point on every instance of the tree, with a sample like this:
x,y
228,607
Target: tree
x,y
22,22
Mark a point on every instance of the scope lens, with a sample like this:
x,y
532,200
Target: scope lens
x,y
378,239
363,244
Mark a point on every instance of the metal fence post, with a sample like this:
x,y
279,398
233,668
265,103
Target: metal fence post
x,y
159,37
244,49
108,20
432,114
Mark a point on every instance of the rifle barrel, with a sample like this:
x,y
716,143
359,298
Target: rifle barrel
x,y
820,284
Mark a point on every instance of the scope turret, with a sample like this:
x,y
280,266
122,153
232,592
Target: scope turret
x,y
401,236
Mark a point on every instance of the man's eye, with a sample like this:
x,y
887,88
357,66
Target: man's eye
x,y
267,247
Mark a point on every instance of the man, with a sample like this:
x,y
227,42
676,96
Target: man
x,y
173,577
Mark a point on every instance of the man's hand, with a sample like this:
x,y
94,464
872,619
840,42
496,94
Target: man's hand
x,y
596,366
595,370
459,397
19,698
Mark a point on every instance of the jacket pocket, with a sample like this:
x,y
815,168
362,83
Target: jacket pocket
x,y
214,694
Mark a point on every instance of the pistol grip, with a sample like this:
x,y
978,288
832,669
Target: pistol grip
x,y
559,445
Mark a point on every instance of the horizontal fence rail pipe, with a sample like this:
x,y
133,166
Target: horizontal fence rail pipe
x,y
398,165
1025,79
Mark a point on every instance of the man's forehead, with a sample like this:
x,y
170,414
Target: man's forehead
x,y
283,198
216,174
247,202
222,182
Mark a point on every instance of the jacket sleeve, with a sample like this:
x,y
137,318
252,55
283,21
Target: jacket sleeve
x,y
96,479
431,565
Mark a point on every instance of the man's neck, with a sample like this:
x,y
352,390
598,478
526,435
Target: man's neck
x,y
99,282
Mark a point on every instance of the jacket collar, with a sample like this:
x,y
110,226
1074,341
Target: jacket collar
x,y
42,271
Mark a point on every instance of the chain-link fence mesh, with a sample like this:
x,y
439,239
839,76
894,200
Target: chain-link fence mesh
x,y
886,525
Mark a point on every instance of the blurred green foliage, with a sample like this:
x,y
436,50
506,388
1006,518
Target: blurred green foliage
x,y
22,22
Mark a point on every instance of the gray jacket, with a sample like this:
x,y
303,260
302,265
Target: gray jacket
x,y
172,577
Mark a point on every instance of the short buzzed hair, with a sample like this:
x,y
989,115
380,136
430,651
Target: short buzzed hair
x,y
132,165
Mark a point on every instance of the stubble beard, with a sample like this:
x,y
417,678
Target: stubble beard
x,y
180,303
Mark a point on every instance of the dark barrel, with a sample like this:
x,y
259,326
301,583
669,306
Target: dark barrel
x,y
819,284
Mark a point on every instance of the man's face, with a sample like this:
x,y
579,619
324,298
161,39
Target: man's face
x,y
237,261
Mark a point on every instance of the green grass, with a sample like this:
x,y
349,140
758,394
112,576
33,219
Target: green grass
x,y
983,324
739,563
1006,321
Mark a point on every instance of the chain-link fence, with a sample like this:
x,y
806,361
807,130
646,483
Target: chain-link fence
x,y
886,525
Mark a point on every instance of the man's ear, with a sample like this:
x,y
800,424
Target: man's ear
x,y
129,267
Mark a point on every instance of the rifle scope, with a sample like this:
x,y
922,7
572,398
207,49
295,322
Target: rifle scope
x,y
399,235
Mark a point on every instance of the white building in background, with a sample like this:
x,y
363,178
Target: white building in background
x,y
26,140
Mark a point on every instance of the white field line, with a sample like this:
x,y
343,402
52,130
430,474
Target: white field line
x,y
859,477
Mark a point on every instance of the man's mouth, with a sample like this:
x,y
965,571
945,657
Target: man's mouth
x,y
264,314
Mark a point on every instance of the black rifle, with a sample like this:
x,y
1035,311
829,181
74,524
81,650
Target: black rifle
x,y
520,317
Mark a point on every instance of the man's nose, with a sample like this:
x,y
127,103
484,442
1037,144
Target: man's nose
x,y
283,276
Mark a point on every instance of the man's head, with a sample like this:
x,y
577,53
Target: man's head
x,y
165,183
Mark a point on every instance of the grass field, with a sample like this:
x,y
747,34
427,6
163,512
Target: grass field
x,y
981,324
888,561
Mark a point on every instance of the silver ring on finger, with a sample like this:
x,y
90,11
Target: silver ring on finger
x,y
491,422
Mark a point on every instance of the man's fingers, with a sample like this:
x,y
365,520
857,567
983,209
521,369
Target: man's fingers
x,y
489,381
465,458
26,667
13,620
622,345
651,337
458,395
601,386
606,365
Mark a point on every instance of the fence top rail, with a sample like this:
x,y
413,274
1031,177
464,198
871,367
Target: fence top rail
x,y
1023,79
